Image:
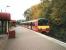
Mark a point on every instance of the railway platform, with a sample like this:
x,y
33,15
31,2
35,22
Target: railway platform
x,y
30,40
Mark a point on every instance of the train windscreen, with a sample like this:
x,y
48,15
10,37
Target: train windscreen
x,y
42,22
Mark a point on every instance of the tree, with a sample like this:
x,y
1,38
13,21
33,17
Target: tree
x,y
28,14
57,15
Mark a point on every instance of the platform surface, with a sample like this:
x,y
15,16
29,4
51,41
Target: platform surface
x,y
28,40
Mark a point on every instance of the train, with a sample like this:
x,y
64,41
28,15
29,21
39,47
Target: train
x,y
38,25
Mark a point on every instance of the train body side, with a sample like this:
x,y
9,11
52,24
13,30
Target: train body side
x,y
38,27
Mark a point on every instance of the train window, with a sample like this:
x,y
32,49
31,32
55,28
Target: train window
x,y
43,22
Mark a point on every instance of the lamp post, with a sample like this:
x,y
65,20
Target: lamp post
x,y
1,9
6,8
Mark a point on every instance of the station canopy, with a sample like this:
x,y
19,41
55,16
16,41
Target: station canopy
x,y
5,16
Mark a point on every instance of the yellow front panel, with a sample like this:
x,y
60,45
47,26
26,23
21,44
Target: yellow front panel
x,y
43,27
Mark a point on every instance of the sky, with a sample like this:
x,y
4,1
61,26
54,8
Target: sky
x,y
16,7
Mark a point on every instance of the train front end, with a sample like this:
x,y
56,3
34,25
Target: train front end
x,y
43,25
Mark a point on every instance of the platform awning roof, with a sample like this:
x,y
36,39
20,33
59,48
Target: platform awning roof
x,y
5,16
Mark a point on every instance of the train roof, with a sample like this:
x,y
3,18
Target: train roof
x,y
30,21
33,20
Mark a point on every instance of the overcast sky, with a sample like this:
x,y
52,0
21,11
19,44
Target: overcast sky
x,y
17,7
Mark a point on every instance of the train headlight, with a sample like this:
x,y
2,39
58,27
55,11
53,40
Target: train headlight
x,y
47,29
40,30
